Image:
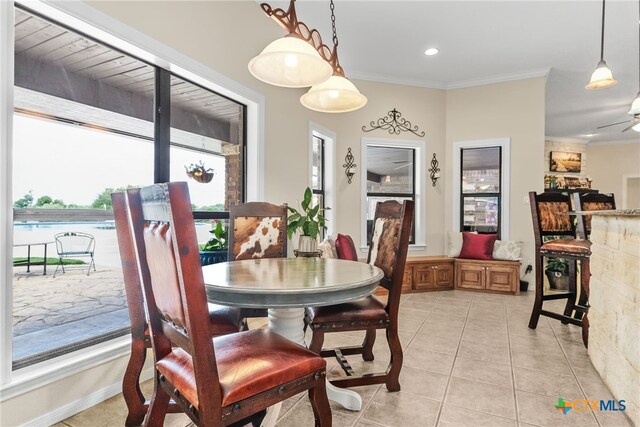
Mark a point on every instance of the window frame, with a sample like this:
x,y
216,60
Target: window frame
x,y
505,176
89,21
419,186
328,175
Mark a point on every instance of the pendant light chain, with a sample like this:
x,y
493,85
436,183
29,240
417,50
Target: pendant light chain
x,y
333,24
602,34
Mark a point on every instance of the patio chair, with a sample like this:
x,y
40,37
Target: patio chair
x,y
74,244
388,251
216,381
224,319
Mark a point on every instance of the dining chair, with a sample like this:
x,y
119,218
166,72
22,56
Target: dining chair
x,y
226,319
257,230
591,202
215,380
552,219
388,251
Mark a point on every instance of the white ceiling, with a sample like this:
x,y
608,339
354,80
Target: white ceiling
x,y
484,42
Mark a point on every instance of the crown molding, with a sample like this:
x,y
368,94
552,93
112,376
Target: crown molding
x,y
565,140
618,142
502,78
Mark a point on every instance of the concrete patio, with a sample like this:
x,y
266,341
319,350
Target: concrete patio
x,y
49,312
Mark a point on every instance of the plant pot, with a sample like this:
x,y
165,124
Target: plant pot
x,y
307,244
524,286
557,280
213,257
203,177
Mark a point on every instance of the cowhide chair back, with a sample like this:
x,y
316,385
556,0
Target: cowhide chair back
x,y
257,230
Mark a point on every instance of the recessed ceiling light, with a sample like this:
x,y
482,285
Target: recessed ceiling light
x,y
589,135
431,51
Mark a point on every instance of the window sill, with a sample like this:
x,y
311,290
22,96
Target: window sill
x,y
412,248
37,376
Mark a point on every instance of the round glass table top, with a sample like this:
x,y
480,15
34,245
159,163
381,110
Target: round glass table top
x,y
289,282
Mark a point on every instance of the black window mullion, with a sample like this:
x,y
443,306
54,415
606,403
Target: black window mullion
x,y
162,126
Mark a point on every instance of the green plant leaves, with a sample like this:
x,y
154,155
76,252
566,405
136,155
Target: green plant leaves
x,y
310,221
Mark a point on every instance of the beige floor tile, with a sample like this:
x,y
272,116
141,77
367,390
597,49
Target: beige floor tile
x,y
453,303
425,297
401,409
290,403
541,360
455,416
366,394
521,328
488,310
410,320
432,329
539,410
613,419
364,423
482,397
176,420
545,342
111,409
441,344
482,318
552,384
485,325
446,319
423,383
489,353
478,370
428,360
484,336
302,415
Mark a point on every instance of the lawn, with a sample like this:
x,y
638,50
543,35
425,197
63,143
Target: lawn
x,y
50,261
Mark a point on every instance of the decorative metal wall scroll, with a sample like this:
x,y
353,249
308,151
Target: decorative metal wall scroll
x,y
394,123
434,170
349,166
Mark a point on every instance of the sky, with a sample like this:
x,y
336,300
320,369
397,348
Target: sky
x,y
75,164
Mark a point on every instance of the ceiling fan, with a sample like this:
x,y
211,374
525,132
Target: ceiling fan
x,y
634,121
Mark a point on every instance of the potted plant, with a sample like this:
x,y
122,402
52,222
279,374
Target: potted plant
x,y
309,220
215,249
199,172
551,181
557,270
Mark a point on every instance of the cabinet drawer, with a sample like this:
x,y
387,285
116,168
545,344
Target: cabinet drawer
x,y
423,277
470,277
502,279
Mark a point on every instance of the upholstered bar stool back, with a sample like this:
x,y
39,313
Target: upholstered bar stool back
x,y
591,202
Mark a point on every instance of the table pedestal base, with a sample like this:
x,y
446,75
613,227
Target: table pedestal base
x,y
289,322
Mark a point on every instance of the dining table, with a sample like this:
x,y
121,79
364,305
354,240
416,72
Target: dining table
x,y
285,286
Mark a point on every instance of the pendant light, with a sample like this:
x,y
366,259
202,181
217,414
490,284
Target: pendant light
x,y
635,105
337,94
602,77
291,61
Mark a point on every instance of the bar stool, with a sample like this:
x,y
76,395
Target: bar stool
x,y
551,218
591,202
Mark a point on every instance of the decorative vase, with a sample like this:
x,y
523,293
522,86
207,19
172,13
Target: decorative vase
x,y
213,257
307,244
557,280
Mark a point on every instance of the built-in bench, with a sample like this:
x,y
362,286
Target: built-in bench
x,y
437,273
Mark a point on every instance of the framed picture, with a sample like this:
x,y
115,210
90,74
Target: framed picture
x,y
572,182
565,162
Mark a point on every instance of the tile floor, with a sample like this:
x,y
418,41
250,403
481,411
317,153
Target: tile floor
x,y
469,360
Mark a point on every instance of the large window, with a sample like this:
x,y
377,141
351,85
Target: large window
x,y
90,119
317,172
394,171
481,186
480,189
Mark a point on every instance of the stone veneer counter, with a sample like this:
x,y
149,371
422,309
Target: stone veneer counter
x,y
614,316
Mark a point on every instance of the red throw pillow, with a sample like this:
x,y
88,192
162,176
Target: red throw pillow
x,y
345,248
477,246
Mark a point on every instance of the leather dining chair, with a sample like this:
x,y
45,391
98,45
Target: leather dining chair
x,y
552,219
225,319
215,380
388,251
257,230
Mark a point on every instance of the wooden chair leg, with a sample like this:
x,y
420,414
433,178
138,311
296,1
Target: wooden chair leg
x,y
367,345
585,277
158,407
317,339
571,299
395,363
131,392
320,403
537,305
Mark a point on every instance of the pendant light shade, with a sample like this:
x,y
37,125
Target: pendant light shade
x,y
636,127
635,106
336,95
290,62
602,77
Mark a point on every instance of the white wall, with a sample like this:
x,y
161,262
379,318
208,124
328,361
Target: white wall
x,y
514,110
610,164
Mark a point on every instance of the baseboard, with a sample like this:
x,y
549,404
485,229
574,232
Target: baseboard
x,y
80,405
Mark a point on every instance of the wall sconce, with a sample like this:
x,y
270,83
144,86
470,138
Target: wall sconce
x,y
434,170
349,166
